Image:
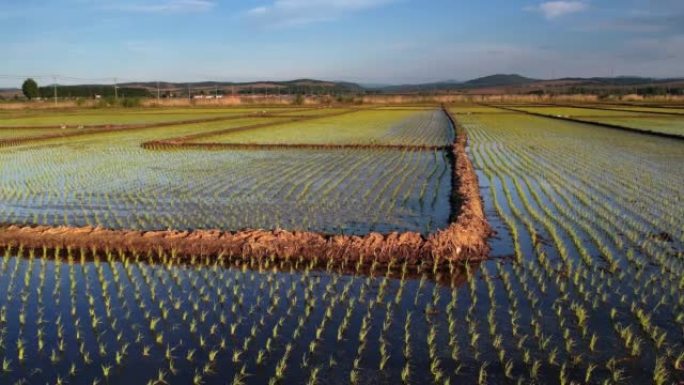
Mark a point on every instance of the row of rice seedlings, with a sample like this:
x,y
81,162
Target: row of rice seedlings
x,y
199,320
591,288
419,128
431,127
228,201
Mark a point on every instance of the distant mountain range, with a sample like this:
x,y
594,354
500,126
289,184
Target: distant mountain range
x,y
514,83
493,84
260,87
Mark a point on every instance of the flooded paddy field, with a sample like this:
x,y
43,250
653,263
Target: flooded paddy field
x,y
582,285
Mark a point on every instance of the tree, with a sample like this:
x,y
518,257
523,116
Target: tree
x,y
30,89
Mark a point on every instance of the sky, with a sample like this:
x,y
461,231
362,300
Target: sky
x,y
364,41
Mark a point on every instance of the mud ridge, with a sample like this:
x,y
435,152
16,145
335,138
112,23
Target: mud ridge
x,y
465,239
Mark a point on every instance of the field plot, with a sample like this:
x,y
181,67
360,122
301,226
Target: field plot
x,y
592,221
103,117
584,285
469,109
668,124
289,111
639,108
213,321
405,127
108,180
12,133
406,107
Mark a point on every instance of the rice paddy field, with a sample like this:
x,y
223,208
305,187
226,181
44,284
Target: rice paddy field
x,y
363,127
109,180
638,108
583,284
643,119
89,117
12,133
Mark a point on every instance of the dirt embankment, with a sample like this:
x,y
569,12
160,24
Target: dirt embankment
x,y
463,239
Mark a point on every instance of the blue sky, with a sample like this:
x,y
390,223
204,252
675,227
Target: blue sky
x,y
367,41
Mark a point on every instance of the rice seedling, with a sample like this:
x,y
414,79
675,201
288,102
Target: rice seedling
x,y
585,233
208,204
591,293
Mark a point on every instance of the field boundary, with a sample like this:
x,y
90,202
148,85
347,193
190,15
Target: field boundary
x,y
108,128
151,124
181,141
187,141
599,124
465,239
619,109
292,146
98,129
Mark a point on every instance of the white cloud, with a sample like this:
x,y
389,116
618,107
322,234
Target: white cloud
x,y
555,9
166,6
297,12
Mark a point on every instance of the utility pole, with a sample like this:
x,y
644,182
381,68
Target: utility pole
x,y
116,91
158,96
54,88
189,95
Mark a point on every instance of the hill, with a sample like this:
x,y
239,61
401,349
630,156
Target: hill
x,y
297,86
517,84
498,80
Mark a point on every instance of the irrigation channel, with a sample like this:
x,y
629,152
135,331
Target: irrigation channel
x,y
583,285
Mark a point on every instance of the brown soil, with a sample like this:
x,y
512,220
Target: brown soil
x,y
464,239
